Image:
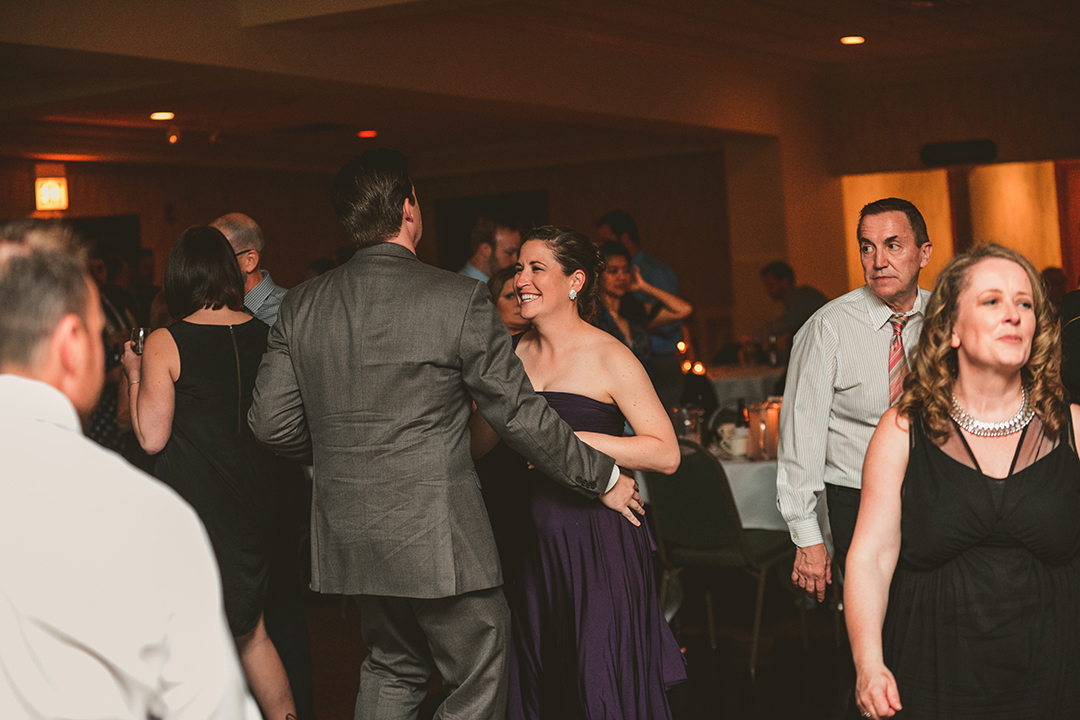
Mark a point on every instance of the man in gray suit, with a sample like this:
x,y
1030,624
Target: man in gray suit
x,y
371,372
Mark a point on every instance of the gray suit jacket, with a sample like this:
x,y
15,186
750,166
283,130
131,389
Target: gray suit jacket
x,y
369,372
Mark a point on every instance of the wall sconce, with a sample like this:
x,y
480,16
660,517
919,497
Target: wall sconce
x,y
173,135
50,187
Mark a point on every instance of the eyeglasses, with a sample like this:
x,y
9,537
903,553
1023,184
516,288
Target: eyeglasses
x,y
244,252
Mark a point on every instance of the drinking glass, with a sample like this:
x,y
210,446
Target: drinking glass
x,y
138,338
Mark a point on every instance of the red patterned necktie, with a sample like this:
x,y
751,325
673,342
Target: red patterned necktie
x,y
897,362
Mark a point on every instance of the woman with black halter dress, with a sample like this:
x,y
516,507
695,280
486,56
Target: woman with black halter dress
x,y
190,394
963,579
589,636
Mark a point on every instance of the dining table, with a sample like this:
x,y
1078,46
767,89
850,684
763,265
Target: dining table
x,y
753,486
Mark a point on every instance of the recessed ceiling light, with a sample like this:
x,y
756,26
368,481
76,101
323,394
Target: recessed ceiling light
x,y
162,116
368,133
853,40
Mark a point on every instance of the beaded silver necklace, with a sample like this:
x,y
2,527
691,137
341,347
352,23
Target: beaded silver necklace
x,y
993,429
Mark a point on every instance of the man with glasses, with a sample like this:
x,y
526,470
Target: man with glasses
x,y
262,297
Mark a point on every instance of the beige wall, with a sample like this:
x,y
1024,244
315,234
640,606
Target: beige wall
x,y
292,208
881,117
1015,205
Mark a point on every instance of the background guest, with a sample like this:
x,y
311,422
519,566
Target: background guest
x,y
494,245
626,317
965,571
262,297
503,295
800,302
665,368
190,392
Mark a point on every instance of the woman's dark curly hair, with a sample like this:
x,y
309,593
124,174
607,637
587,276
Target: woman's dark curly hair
x,y
934,367
573,251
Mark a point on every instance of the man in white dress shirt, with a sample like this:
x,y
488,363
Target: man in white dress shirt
x,y
847,364
110,602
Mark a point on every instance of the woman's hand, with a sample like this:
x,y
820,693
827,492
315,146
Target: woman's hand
x,y
132,363
623,498
876,693
636,282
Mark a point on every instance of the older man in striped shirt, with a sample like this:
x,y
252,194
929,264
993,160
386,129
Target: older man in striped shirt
x,y
847,367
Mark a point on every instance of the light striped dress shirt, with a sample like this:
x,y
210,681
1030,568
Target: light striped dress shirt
x,y
837,390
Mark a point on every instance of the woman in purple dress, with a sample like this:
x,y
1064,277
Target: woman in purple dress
x,y
590,639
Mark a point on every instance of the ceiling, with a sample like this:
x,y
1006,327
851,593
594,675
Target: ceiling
x,y
62,101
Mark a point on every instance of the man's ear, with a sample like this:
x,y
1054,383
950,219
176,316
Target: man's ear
x,y
68,346
249,261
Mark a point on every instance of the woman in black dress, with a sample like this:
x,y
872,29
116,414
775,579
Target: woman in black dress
x,y
190,393
964,573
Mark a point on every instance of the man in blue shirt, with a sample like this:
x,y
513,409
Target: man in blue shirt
x,y
665,370
262,297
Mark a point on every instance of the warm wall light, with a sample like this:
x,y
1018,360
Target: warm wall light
x,y
51,193
173,136
699,369
162,116
368,133
853,40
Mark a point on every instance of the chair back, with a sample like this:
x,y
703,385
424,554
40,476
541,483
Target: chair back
x,y
694,507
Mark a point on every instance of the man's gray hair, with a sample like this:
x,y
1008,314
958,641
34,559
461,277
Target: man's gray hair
x,y
43,277
243,232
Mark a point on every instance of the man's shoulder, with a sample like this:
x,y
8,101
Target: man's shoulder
x,y
847,305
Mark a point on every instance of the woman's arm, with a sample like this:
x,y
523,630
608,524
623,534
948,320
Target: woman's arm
x,y
482,437
872,561
672,307
150,389
654,445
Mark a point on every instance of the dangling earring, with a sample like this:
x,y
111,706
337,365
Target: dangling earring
x,y
573,294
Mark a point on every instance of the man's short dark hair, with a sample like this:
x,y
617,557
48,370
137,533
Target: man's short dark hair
x,y
779,270
620,222
43,277
368,194
202,272
483,232
915,218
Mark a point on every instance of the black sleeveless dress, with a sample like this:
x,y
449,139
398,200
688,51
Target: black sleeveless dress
x,y
983,618
589,636
213,460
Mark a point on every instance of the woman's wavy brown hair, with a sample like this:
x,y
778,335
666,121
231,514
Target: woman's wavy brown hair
x,y
928,387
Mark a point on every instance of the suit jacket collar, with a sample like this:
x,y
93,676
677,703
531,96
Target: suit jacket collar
x,y
386,249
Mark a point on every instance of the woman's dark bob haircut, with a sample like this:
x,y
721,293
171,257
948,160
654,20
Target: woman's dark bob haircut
x,y
202,273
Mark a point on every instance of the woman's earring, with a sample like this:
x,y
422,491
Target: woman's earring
x,y
573,294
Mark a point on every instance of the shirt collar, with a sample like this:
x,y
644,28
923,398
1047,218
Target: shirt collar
x,y
880,313
23,399
254,299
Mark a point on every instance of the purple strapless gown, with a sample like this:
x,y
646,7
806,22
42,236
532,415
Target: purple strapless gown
x,y
589,636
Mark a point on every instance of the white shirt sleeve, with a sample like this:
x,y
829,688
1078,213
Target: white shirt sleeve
x,y
804,430
201,676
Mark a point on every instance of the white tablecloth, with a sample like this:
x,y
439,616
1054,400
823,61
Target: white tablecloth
x,y
753,484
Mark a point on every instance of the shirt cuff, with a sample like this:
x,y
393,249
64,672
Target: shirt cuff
x,y
614,478
805,533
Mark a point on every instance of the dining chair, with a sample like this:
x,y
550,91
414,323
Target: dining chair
x,y
698,525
